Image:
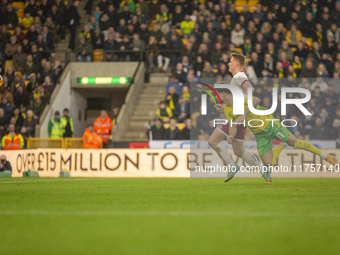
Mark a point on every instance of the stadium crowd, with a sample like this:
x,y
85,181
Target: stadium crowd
x,y
28,65
294,40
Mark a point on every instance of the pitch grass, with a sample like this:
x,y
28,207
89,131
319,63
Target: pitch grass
x,y
169,216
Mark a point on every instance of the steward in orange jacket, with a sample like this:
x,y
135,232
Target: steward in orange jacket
x,y
91,139
12,140
103,126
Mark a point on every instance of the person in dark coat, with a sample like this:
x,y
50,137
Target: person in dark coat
x,y
72,21
156,131
172,133
4,164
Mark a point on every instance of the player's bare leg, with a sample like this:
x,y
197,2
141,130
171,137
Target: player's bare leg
x,y
215,142
247,156
299,144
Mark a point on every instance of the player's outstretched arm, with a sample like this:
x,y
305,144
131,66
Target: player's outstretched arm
x,y
219,107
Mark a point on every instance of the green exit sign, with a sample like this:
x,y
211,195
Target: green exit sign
x,y
104,80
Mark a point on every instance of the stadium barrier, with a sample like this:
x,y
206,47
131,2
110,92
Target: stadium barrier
x,y
158,163
33,143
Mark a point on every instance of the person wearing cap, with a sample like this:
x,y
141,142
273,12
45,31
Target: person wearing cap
x,y
156,131
12,140
67,123
55,126
4,164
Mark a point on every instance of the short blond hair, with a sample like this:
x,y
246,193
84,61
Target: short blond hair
x,y
239,58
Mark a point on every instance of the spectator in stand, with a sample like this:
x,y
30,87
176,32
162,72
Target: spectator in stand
x,y
172,133
109,45
103,128
33,83
207,71
31,8
308,70
137,45
12,140
156,131
32,34
5,90
90,139
173,83
293,36
21,97
30,122
172,98
3,122
179,73
71,22
164,112
84,51
237,35
185,132
19,59
10,18
175,45
7,106
334,131
4,164
187,26
19,119
11,47
178,16
55,126
27,20
182,109
36,106
320,131
67,123
151,48
164,48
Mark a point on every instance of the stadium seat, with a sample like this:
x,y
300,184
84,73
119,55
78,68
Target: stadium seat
x,y
18,5
11,32
7,64
194,118
185,41
24,31
179,125
240,2
239,50
253,2
309,41
98,55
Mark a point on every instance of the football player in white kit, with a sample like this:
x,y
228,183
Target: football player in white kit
x,y
239,79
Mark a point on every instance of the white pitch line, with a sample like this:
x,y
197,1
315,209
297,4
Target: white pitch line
x,y
54,180
164,213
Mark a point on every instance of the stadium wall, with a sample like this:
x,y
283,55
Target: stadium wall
x,y
159,163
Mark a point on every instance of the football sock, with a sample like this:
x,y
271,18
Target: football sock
x,y
251,160
277,151
222,152
309,147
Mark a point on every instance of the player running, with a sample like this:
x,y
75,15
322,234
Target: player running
x,y
240,79
265,128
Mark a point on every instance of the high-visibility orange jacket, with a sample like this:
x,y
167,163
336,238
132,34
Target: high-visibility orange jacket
x,y
14,143
103,127
91,140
